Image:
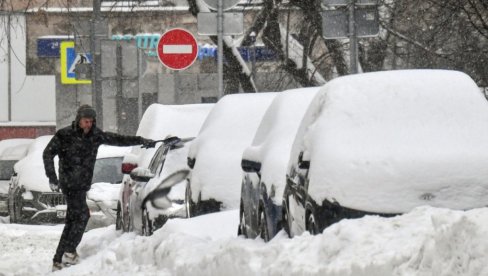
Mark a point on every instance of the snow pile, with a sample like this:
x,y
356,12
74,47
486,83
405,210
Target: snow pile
x,y
426,241
105,193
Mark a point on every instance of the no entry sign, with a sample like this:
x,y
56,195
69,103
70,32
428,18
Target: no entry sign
x,y
177,49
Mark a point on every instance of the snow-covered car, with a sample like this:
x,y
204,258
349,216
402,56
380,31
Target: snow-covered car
x,y
265,162
11,151
31,200
384,143
158,122
215,155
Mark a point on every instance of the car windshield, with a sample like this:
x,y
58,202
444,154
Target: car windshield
x,y
6,169
108,170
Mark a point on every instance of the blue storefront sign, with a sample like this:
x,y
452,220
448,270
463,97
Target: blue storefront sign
x,y
49,46
149,43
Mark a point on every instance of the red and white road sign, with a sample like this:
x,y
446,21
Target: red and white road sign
x,y
177,49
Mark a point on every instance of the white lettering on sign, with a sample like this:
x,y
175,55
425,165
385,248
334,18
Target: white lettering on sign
x,y
177,49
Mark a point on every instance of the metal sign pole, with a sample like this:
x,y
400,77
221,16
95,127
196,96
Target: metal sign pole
x,y
9,70
97,100
353,45
220,47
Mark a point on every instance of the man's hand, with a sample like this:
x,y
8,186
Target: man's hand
x,y
172,140
148,143
54,186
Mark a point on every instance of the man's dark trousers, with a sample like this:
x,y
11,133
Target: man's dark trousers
x,y
77,216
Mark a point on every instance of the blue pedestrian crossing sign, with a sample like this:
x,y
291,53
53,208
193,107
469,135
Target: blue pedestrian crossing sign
x,y
69,60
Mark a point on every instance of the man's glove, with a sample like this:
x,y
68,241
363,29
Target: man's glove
x,y
148,143
53,184
172,140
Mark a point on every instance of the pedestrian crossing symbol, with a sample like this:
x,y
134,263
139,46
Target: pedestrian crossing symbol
x,y
69,60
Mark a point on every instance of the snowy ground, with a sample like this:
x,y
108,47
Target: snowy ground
x,y
426,241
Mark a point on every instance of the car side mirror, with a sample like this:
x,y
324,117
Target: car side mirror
x,y
159,196
303,164
250,166
190,162
141,174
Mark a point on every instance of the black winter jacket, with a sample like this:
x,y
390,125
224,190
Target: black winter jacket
x,y
77,155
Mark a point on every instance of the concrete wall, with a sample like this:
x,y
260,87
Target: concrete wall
x,y
32,97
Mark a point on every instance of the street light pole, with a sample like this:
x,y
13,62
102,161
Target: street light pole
x,y
353,45
253,58
220,47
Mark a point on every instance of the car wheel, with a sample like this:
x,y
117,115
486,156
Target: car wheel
x,y
312,224
241,229
189,204
17,208
118,219
263,225
11,212
285,217
147,224
127,221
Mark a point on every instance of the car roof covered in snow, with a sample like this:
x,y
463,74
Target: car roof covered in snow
x,y
391,141
226,132
30,169
14,149
272,142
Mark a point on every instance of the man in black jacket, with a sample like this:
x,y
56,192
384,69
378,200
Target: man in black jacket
x,y
77,147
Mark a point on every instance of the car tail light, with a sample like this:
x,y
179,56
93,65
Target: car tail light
x,y
128,167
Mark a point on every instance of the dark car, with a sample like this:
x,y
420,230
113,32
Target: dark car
x,y
264,164
215,155
169,157
148,165
384,143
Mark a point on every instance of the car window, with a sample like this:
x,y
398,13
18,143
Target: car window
x,y
108,170
6,169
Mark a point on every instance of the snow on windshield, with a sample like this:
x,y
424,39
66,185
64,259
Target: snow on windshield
x,y
159,121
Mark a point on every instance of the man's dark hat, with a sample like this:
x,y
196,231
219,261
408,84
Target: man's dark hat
x,y
86,111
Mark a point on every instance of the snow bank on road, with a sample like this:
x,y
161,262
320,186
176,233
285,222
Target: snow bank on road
x,y
426,241
27,249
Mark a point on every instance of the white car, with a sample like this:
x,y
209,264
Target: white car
x,y
30,200
215,155
11,151
159,122
384,143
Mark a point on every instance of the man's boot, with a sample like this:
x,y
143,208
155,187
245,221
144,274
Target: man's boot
x,y
71,258
57,266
